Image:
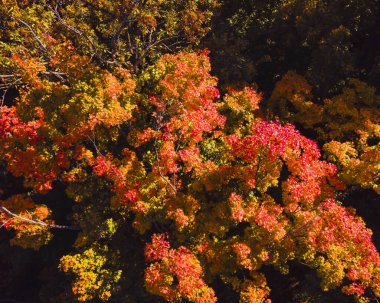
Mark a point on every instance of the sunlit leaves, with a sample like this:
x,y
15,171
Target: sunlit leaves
x,y
175,264
202,181
348,124
20,209
94,279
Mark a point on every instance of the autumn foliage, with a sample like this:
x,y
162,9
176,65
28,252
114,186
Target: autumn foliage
x,y
173,182
348,125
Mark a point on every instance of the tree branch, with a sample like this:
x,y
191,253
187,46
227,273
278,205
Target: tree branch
x,y
34,33
75,30
151,44
6,85
10,76
36,222
10,84
105,161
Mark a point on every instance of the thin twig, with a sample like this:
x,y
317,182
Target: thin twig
x,y
307,224
11,84
3,97
144,53
124,22
42,45
120,177
75,30
59,75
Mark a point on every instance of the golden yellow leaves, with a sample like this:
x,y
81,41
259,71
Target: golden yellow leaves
x,y
94,279
24,216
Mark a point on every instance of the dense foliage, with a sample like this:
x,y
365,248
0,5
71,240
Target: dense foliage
x,y
162,184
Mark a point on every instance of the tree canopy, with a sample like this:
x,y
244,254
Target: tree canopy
x,y
163,183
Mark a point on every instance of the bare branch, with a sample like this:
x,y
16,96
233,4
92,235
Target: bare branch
x,y
75,30
7,85
11,84
43,73
59,75
10,76
3,97
35,35
144,53
304,226
116,36
36,222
